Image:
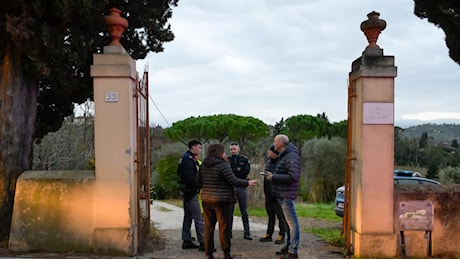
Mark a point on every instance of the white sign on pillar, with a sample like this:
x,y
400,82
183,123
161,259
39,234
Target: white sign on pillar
x,y
378,113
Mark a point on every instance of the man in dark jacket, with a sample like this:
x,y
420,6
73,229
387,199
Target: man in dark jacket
x,y
285,181
241,167
187,170
271,204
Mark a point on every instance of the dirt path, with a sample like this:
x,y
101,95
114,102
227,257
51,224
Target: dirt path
x,y
167,219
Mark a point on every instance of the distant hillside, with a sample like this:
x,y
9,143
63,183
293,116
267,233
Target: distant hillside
x,y
442,133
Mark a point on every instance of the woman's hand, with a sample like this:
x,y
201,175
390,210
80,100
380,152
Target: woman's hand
x,y
252,182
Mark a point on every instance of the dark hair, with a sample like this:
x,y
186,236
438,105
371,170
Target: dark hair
x,y
193,143
233,143
215,150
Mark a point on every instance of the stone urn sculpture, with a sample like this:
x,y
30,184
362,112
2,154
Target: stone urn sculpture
x,y
116,25
372,28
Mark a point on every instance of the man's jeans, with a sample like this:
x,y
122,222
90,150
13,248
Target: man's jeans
x,y
293,232
192,211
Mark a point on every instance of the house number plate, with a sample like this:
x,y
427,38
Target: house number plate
x,y
111,96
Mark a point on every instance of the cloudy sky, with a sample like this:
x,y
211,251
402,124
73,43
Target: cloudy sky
x,y
275,59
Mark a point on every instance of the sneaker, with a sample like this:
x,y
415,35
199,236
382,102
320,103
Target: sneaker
x,y
266,238
289,256
247,237
189,245
283,251
279,239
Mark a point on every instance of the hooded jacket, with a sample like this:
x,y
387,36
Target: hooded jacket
x,y
285,180
216,180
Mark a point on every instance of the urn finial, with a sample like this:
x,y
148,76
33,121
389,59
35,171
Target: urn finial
x,y
116,25
372,28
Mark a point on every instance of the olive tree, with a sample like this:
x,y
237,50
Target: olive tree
x,y
324,168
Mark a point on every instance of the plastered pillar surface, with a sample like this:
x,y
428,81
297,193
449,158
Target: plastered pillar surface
x,y
372,113
116,212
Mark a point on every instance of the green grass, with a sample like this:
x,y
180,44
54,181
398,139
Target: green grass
x,y
317,210
308,210
332,236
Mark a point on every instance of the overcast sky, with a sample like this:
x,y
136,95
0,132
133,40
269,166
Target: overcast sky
x,y
275,59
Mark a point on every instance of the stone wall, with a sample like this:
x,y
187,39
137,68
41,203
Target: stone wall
x,y
54,212
415,241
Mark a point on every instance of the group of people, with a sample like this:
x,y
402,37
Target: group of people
x,y
222,181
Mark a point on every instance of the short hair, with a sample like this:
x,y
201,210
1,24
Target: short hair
x,y
233,143
283,138
215,150
193,143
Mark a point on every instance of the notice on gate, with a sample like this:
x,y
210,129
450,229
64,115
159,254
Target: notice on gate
x,y
378,113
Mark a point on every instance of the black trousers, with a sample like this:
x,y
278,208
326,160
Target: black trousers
x,y
273,208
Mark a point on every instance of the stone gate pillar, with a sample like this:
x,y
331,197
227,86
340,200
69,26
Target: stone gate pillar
x,y
372,133
115,78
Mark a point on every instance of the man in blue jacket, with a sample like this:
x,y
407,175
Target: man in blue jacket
x,y
285,185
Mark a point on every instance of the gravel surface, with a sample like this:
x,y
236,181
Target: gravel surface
x,y
167,243
168,220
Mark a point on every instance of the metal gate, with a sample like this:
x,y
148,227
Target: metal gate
x,y
143,159
346,226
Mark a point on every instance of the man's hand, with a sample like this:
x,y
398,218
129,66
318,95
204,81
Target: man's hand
x,y
268,175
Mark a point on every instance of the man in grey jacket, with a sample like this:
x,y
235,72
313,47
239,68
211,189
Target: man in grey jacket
x,y
285,185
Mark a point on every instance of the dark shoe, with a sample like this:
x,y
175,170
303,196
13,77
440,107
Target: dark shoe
x,y
247,237
193,238
189,245
279,239
266,238
289,256
228,256
283,251
210,256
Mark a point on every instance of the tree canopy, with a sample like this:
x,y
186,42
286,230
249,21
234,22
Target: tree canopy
x,y
301,128
56,40
46,50
446,15
223,128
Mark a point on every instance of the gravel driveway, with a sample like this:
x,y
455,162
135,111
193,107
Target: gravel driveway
x,y
167,219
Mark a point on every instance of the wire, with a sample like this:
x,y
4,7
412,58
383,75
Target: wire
x,y
159,111
177,134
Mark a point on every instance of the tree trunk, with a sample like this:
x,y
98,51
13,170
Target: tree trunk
x,y
18,111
